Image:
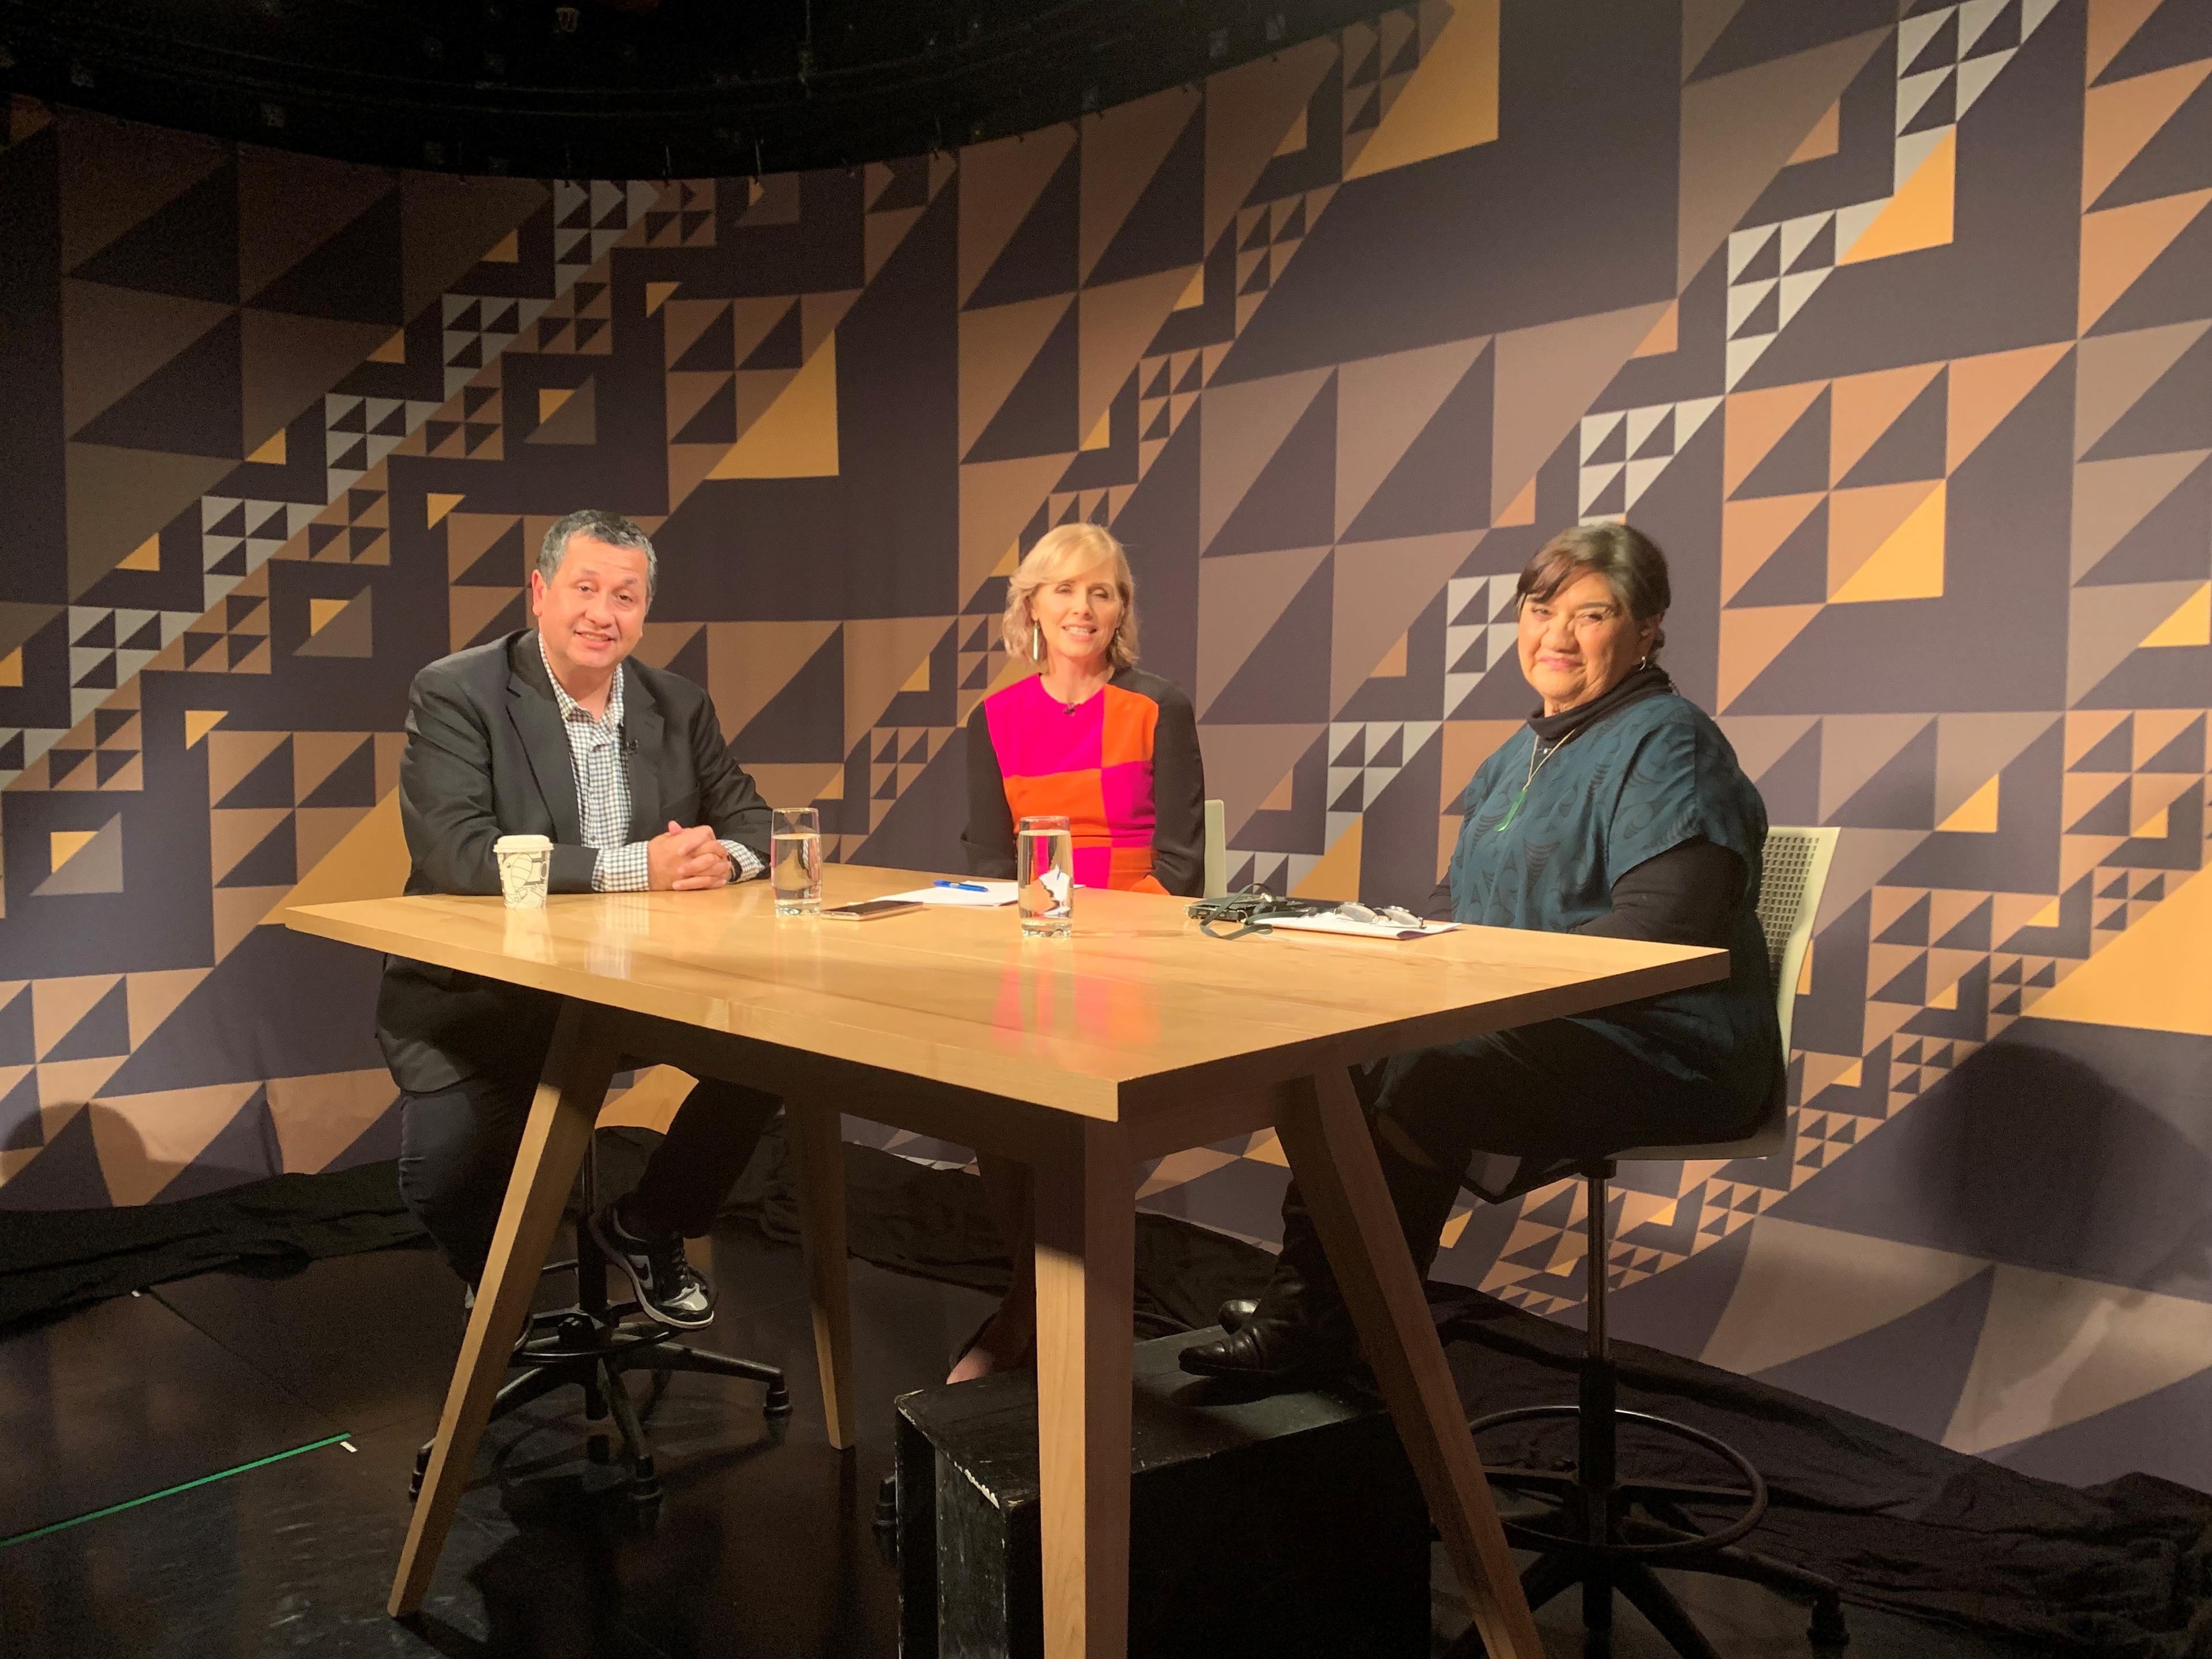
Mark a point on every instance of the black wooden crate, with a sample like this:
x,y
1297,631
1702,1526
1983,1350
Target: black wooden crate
x,y
1285,1527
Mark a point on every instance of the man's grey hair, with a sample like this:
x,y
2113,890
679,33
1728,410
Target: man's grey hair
x,y
611,528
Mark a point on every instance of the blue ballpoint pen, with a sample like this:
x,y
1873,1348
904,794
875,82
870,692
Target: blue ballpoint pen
x,y
964,886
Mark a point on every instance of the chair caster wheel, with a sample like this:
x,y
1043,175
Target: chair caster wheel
x,y
887,1503
421,1473
778,1403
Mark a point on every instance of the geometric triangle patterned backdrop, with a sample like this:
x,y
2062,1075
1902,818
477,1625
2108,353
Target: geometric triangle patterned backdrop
x,y
1889,322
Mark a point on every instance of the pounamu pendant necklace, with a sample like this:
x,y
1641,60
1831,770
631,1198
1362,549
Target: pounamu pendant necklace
x,y
1539,758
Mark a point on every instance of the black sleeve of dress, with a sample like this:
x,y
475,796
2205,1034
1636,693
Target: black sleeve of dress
x,y
1178,798
988,839
1687,895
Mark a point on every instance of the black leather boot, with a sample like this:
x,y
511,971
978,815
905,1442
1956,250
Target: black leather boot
x,y
1300,1328
1299,1331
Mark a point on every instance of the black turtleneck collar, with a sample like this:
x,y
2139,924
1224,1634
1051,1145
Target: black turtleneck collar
x,y
1641,682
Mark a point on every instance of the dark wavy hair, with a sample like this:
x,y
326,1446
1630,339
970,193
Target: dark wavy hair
x,y
1630,560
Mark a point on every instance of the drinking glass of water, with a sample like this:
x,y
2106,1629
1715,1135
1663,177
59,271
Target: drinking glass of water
x,y
1046,872
795,860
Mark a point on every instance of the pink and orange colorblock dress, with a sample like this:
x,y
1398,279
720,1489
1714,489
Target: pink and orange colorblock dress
x,y
1122,765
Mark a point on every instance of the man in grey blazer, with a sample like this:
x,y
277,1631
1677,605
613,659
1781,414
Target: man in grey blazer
x,y
553,731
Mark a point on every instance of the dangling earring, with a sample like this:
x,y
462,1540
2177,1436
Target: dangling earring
x,y
1037,641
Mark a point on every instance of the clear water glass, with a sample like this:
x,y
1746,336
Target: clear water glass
x,y
1045,871
795,860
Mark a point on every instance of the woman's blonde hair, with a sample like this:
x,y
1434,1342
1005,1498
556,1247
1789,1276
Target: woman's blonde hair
x,y
1072,547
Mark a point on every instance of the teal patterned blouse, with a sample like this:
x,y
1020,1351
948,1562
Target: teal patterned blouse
x,y
1631,785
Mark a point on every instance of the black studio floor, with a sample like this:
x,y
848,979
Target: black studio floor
x,y
764,1548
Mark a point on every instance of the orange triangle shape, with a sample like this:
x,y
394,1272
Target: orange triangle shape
x,y
1983,390
2118,120
1750,640
1752,530
1862,407
1919,214
1909,563
1756,422
2118,245
2189,624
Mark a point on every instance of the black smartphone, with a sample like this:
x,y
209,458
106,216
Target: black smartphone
x,y
867,909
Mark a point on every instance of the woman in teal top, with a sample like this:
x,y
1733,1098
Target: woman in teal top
x,y
1620,810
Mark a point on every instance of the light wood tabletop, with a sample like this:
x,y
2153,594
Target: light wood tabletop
x,y
1136,1036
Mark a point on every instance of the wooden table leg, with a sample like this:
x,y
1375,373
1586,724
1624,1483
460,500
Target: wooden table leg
x,y
818,1157
1085,1283
573,1084
1325,1137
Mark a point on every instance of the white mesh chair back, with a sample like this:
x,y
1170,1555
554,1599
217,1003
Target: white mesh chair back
x,y
1217,851
1793,870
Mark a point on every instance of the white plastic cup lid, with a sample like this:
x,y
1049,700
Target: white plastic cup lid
x,y
522,844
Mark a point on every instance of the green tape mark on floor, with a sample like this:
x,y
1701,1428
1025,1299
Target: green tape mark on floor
x,y
171,1491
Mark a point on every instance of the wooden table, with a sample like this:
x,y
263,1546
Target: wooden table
x,y
1136,1037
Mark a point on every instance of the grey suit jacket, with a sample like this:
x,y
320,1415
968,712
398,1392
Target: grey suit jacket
x,y
486,757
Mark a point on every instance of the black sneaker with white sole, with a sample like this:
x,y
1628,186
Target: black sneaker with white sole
x,y
669,1288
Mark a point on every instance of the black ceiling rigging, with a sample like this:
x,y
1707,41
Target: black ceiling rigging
x,y
629,89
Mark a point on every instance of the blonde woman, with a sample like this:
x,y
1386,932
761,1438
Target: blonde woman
x,y
1090,735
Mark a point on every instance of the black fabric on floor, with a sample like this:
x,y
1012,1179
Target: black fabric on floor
x,y
2122,1571
50,1260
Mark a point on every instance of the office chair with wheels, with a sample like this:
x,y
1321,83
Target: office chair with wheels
x,y
1592,1526
587,1344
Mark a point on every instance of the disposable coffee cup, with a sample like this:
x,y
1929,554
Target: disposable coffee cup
x,y
525,864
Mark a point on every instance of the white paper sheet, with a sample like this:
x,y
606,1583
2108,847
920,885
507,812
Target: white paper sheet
x,y
1350,929
995,893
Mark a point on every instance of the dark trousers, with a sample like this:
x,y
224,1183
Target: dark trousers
x,y
1555,1089
456,1148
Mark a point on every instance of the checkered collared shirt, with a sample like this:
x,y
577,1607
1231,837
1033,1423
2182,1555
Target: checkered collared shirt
x,y
602,792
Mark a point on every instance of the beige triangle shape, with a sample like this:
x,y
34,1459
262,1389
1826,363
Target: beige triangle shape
x,y
880,654
657,294
2118,120
2105,625
1383,404
1805,1288
316,754
1380,587
1240,597
2112,497
1971,750
232,754
144,1141
318,1117
1740,129
469,610
818,317
682,323
113,339
997,346
1982,391
2113,24
1854,747
1122,149
1862,522
2119,243
1249,770
1863,407
368,860
1547,377
118,497
1000,183
1753,532
998,499
1114,322
2111,371
1248,109
287,363
2055,1350
232,832
1752,639
469,536
57,1005
153,997
748,662
1242,426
